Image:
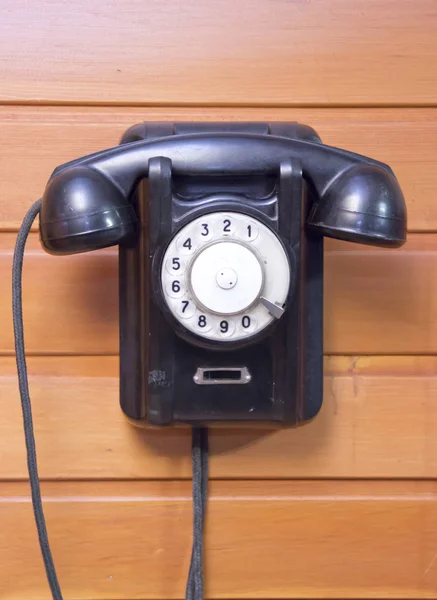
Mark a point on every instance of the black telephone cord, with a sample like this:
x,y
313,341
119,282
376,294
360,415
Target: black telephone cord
x,y
199,457
194,590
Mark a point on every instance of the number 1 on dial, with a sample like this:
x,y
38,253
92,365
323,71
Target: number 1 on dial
x,y
250,231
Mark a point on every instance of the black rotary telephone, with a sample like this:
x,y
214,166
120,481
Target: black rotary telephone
x,y
220,231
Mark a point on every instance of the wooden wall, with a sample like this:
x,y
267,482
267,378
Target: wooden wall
x,y
345,507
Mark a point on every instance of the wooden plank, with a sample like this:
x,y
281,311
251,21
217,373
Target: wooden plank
x,y
324,52
40,139
377,301
379,419
263,540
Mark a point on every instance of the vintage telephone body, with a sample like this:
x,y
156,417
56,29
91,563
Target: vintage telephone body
x,y
220,229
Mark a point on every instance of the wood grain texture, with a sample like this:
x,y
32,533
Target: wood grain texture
x,y
40,139
377,301
379,419
300,52
263,540
345,507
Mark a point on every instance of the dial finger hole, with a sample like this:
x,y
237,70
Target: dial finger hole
x,y
175,265
203,322
186,308
248,231
186,244
226,328
247,323
227,225
175,288
205,231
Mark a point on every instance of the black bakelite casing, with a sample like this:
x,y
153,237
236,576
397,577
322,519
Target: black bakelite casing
x,y
157,363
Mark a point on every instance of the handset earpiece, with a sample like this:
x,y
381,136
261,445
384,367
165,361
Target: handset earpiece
x,y
362,204
82,210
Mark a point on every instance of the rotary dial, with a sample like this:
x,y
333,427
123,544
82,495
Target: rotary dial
x,y
225,276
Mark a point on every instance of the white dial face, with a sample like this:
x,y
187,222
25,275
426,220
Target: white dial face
x,y
225,276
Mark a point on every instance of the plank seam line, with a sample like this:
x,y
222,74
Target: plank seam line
x,y
169,105
231,498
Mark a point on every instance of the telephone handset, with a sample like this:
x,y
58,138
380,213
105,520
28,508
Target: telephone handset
x,y
220,229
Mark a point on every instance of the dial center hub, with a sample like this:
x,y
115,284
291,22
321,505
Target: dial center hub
x,y
226,278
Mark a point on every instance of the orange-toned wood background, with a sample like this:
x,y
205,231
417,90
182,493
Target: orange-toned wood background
x,y
345,507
